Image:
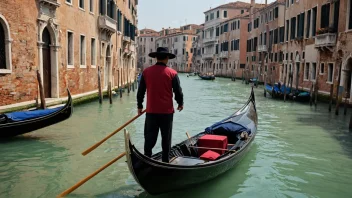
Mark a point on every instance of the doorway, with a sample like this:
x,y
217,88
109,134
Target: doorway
x,y
46,63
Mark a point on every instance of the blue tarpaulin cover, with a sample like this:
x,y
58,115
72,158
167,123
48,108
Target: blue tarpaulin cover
x,y
25,115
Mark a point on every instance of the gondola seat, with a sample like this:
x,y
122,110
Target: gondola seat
x,y
187,161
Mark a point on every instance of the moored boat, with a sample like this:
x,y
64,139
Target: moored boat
x,y
17,123
207,77
187,167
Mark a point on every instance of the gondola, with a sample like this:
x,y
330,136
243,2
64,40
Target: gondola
x,y
18,123
186,168
207,77
275,91
301,96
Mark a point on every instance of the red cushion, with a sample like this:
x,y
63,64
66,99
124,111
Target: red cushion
x,y
212,141
210,155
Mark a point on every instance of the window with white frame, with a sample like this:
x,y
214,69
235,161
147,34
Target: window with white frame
x,y
70,54
69,1
306,72
81,4
93,52
91,5
225,13
330,72
349,15
313,71
5,46
82,47
322,69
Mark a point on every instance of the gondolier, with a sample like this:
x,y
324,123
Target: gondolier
x,y
159,81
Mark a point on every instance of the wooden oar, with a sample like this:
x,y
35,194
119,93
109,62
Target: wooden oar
x,y
68,191
113,133
212,148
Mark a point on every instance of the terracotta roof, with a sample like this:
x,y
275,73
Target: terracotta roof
x,y
150,30
237,4
150,35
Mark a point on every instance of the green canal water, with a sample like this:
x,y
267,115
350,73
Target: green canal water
x,y
300,151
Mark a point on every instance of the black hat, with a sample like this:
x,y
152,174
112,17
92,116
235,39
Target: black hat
x,y
162,51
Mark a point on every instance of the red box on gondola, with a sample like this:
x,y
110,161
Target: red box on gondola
x,y
212,141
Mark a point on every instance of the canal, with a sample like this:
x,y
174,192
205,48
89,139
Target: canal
x,y
300,151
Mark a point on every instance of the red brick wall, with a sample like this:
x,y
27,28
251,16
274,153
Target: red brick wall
x,y
21,84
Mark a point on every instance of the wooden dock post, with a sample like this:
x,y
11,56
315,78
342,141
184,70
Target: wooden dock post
x,y
285,88
311,95
338,91
41,91
316,94
345,105
99,87
264,85
331,95
350,122
110,92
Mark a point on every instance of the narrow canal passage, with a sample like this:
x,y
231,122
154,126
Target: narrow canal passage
x,y
299,151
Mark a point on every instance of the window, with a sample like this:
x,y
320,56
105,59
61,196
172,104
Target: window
x,y
322,68
217,31
184,38
151,39
314,71
242,11
81,4
211,16
282,34
238,25
70,48
325,16
308,23
300,25
226,27
330,72
314,21
69,2
92,53
293,28
306,72
349,15
91,4
82,52
225,14
206,18
276,34
303,55
276,13
217,14
287,29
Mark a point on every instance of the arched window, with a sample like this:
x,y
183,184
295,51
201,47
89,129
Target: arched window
x,y
2,48
5,46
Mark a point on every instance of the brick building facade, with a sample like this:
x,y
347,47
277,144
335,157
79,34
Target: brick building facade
x,y
66,41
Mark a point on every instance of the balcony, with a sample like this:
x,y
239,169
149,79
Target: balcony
x,y
224,54
325,40
207,56
127,38
107,24
210,40
262,48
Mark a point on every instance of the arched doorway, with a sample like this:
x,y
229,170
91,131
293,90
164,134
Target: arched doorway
x,y
46,63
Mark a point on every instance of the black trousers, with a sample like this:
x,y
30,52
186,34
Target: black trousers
x,y
153,123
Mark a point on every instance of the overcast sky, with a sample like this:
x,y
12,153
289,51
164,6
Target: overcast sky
x,y
156,14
